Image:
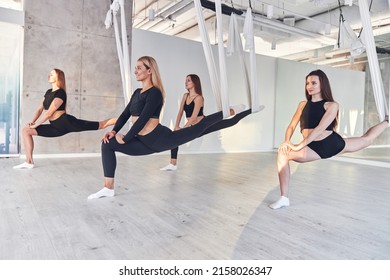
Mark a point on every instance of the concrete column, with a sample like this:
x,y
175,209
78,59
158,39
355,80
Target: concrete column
x,y
71,35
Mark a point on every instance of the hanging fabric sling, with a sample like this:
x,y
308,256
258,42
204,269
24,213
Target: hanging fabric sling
x,y
219,88
122,48
377,83
235,44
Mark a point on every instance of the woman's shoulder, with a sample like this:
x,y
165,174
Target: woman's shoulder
x,y
57,91
60,93
156,90
199,95
198,98
152,92
331,104
302,103
61,90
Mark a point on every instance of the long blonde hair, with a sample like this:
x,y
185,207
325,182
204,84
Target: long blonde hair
x,y
150,63
60,79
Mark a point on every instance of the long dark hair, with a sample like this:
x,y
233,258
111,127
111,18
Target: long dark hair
x,y
326,91
196,80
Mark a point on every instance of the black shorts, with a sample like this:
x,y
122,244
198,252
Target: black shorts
x,y
65,124
329,146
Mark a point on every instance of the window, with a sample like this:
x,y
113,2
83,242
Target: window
x,y
10,67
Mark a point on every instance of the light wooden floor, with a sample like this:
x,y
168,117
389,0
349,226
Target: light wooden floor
x,y
214,207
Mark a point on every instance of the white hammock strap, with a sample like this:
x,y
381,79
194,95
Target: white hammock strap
x,y
373,63
122,49
235,43
208,54
222,62
215,84
250,45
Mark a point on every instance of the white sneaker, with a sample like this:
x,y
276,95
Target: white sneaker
x,y
169,167
24,165
104,192
238,108
281,202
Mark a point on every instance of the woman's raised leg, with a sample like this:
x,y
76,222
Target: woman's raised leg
x,y
353,144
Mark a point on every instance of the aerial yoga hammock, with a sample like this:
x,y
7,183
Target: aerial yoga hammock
x,y
220,88
377,82
122,46
348,39
147,135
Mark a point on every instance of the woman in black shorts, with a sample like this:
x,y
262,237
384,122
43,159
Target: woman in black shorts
x,y
54,108
318,119
192,105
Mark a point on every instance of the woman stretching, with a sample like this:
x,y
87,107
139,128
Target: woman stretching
x,y
318,119
147,135
192,105
54,105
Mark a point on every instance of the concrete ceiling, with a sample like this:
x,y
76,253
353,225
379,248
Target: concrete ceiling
x,y
301,30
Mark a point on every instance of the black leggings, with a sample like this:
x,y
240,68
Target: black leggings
x,y
65,124
160,139
218,126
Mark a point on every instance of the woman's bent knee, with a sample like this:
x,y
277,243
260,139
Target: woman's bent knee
x,y
282,158
106,146
28,131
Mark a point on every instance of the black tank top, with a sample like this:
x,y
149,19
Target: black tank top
x,y
189,108
312,114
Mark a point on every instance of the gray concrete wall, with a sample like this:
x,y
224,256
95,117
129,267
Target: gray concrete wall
x,y
71,35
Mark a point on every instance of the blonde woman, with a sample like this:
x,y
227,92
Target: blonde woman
x,y
146,135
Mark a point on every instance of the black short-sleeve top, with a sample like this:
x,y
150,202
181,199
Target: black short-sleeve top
x,y
312,114
146,105
50,95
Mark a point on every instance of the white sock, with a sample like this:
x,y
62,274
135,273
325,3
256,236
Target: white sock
x,y
169,167
24,165
281,202
104,192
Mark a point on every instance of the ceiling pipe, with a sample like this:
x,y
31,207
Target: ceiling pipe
x,y
274,24
144,10
226,10
166,15
172,17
